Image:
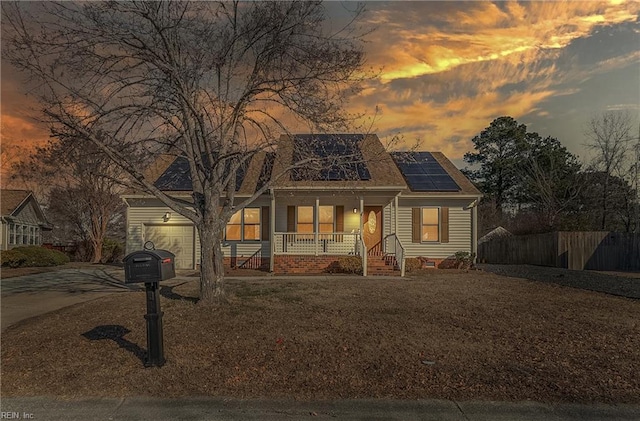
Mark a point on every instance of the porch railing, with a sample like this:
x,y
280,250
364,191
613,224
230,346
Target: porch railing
x,y
362,248
335,243
393,246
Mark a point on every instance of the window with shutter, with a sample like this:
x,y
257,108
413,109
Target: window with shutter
x,y
444,225
430,224
244,225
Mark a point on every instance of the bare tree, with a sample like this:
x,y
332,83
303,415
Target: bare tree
x,y
82,188
550,179
609,137
214,82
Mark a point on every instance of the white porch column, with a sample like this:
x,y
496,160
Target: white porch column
x,y
272,231
316,223
362,217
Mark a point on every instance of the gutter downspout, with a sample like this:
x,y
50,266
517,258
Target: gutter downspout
x,y
474,229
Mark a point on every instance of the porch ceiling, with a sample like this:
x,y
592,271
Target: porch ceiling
x,y
367,195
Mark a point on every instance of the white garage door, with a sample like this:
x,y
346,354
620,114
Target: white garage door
x,y
178,239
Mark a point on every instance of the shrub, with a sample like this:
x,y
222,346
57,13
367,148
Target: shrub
x,y
412,264
12,258
33,256
112,251
350,264
464,259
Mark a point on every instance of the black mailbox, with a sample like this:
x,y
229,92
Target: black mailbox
x,y
149,266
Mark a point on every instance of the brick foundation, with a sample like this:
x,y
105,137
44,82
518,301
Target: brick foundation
x,y
299,264
261,263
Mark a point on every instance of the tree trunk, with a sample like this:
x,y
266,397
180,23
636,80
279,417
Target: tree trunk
x,y
211,267
97,251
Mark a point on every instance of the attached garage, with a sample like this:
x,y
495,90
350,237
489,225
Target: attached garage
x,y
178,239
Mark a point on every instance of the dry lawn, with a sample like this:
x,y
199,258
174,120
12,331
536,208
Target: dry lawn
x,y
442,335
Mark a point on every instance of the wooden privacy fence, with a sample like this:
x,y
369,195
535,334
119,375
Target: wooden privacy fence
x,y
594,250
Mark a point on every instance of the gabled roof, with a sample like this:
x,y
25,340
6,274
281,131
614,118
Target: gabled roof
x,y
496,233
368,166
11,200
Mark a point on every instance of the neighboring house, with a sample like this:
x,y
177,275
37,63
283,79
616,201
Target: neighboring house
x,y
22,219
498,232
385,207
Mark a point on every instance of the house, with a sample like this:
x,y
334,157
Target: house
x,y
384,207
22,219
498,232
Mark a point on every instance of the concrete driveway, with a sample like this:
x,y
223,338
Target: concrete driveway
x,y
27,296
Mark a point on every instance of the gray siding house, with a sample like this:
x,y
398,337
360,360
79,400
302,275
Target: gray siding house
x,y
384,207
22,219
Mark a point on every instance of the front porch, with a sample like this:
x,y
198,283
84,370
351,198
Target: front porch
x,y
312,231
320,253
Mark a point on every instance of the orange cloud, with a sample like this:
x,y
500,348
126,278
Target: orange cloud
x,y
448,73
448,68
486,32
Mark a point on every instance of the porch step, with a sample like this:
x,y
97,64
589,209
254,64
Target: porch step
x,y
381,265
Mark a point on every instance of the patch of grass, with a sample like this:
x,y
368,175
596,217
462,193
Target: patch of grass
x,y
488,336
249,291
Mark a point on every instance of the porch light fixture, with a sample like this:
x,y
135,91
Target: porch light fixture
x,y
167,216
355,210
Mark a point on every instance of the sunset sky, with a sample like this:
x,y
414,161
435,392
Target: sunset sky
x,y
447,69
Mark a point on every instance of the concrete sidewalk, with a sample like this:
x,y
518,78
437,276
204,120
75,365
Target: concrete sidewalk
x,y
235,409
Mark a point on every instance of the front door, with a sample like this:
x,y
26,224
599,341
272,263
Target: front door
x,y
372,226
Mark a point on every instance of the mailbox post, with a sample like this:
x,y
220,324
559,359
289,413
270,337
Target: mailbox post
x,y
151,267
155,341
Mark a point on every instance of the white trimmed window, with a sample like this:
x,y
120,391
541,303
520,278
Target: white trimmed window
x,y
244,225
326,219
430,225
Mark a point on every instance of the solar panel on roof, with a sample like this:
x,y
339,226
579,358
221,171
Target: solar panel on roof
x,y
423,173
177,177
343,159
267,168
